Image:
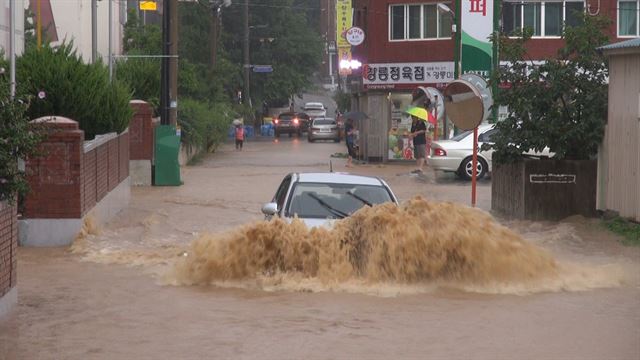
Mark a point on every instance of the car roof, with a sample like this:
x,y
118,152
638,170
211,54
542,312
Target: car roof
x,y
313,104
339,178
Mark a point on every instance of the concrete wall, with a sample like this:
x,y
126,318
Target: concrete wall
x,y
5,18
73,179
8,257
73,22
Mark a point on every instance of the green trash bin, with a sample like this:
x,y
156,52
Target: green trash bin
x,y
167,149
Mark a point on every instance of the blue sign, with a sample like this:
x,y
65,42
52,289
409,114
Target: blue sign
x,y
262,68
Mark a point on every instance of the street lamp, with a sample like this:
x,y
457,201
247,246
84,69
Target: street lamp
x,y
454,28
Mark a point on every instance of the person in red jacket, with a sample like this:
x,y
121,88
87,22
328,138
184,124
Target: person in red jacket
x,y
239,137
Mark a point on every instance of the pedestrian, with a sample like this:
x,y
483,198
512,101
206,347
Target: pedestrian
x,y
350,139
239,137
419,136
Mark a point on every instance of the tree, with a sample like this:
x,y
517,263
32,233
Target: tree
x,y
285,41
561,103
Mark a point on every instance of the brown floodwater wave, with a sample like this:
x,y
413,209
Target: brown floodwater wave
x,y
383,249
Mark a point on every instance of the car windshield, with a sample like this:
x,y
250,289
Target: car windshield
x,y
461,135
324,122
333,201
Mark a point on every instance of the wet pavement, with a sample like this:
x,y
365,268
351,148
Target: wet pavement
x,y
106,300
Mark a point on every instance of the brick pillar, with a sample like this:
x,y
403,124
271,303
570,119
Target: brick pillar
x,y
141,131
8,248
56,177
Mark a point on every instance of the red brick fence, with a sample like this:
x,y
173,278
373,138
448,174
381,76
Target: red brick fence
x,y
72,179
8,257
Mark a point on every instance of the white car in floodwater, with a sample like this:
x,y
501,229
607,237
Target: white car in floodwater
x,y
319,199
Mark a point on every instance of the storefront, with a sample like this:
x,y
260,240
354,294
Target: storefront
x,y
387,90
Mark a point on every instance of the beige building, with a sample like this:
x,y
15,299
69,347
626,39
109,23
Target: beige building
x,y
619,157
5,21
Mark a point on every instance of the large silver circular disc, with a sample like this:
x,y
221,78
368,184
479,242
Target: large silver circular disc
x,y
464,105
485,92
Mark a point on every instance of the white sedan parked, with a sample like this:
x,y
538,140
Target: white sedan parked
x,y
455,155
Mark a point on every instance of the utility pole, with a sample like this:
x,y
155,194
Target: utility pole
x,y
110,4
12,49
38,22
173,65
169,81
214,31
94,30
247,61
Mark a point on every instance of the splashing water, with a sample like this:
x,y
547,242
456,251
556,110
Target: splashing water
x,y
417,244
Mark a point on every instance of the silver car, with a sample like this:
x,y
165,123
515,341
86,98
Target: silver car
x,y
319,199
323,129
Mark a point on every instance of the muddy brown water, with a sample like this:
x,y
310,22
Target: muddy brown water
x,y
564,290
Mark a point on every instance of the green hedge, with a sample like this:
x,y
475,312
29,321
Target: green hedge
x,y
203,125
73,89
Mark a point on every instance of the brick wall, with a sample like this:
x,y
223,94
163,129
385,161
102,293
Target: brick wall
x,y
73,175
56,177
8,247
141,131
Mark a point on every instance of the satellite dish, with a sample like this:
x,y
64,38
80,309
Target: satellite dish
x,y
464,104
485,92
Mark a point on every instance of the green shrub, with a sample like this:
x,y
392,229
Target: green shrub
x,y
203,125
19,139
73,89
143,77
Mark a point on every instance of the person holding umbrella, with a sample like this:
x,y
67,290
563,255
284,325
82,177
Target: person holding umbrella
x,y
419,117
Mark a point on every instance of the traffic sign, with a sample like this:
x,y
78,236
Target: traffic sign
x,y
148,6
262,68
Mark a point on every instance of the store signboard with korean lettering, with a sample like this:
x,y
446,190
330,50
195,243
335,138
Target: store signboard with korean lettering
x,y
402,74
477,26
344,21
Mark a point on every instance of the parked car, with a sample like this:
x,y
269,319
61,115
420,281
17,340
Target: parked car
x,y
455,155
315,110
319,199
290,123
323,129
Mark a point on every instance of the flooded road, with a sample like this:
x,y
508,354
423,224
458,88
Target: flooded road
x,y
106,298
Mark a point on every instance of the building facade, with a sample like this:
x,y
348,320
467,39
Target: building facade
x,y
70,20
5,22
410,44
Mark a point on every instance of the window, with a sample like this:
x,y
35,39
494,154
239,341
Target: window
x,y
397,22
414,22
544,19
628,18
418,22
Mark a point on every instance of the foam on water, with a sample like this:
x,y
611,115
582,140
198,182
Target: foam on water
x,y
384,250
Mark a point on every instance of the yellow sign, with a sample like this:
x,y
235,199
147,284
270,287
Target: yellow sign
x,y
344,21
148,6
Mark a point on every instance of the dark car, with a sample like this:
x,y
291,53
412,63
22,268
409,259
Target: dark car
x,y
291,123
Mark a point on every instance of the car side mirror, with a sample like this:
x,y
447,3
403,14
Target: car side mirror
x,y
270,209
